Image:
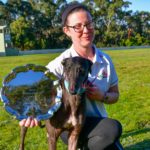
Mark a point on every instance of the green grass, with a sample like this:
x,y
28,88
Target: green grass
x,y
132,109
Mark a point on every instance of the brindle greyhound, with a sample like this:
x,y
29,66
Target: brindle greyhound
x,y
70,115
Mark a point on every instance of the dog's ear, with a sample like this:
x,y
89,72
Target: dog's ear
x,y
64,61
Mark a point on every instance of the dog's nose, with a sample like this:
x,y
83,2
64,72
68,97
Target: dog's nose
x,y
72,90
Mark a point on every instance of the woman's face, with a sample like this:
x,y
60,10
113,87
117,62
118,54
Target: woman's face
x,y
83,38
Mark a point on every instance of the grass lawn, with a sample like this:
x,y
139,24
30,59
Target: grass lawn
x,y
132,109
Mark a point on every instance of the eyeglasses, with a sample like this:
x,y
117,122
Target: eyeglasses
x,y
80,27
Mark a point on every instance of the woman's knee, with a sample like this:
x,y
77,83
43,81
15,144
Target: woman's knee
x,y
106,133
113,127
107,129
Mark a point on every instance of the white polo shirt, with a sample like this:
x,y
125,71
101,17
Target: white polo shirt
x,y
103,75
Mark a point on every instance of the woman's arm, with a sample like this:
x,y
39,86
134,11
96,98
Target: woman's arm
x,y
109,97
112,95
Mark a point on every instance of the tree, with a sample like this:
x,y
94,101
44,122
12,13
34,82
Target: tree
x,y
5,17
41,23
139,26
42,16
23,39
109,19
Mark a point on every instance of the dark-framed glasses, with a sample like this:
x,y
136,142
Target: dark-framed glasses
x,y
80,27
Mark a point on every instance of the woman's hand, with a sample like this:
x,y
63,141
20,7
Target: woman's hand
x,y
110,97
94,93
29,122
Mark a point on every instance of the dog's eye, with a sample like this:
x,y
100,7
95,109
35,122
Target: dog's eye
x,y
68,68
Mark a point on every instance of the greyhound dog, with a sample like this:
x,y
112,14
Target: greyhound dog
x,y
70,116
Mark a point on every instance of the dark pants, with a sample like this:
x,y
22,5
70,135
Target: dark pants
x,y
98,134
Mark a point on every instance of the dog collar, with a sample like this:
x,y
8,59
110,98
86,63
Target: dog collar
x,y
80,90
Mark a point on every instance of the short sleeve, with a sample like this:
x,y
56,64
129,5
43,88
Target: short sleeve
x,y
56,67
113,77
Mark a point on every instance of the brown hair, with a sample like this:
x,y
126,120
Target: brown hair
x,y
72,7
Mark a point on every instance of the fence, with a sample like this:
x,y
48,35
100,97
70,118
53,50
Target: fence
x,y
45,51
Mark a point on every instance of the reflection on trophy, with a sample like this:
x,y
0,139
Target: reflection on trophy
x,y
30,91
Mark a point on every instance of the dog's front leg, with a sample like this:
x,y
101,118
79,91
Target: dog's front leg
x,y
22,139
73,138
52,135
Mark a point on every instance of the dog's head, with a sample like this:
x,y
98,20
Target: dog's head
x,y
76,71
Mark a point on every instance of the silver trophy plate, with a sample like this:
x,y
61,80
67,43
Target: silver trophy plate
x,y
31,90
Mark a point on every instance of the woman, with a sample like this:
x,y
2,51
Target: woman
x,y
99,131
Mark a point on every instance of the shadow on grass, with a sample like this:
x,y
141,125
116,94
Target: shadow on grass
x,y
140,131
144,145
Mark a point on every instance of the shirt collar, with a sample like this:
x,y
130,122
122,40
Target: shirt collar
x,y
97,57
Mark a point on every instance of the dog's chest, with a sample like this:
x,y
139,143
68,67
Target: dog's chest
x,y
76,116
71,122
